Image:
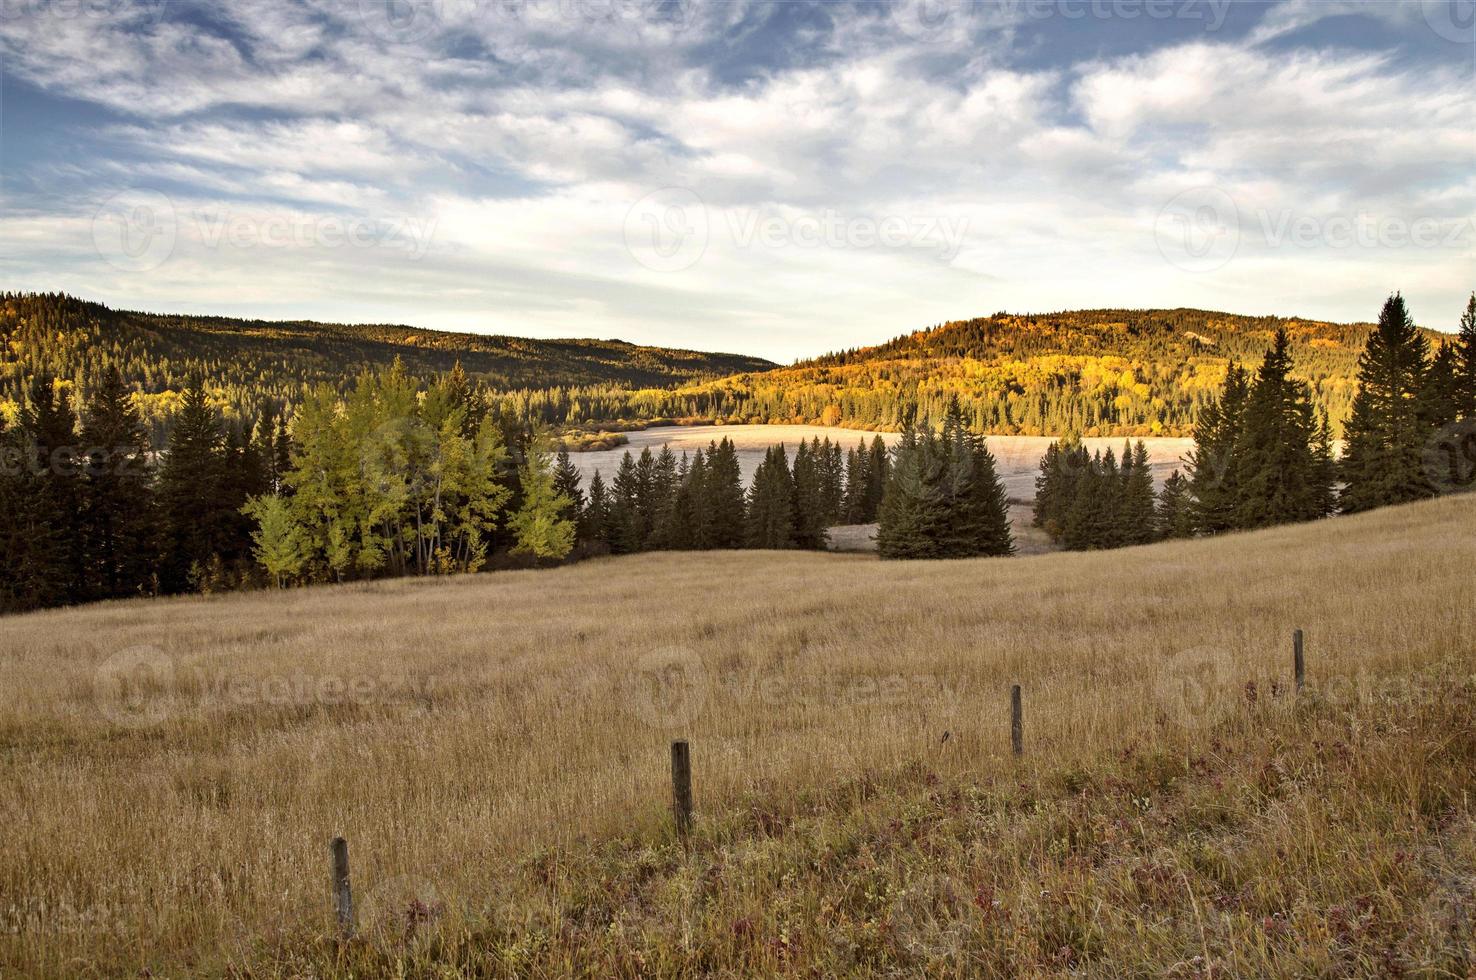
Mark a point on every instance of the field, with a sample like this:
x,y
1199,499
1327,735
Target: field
x,y
495,750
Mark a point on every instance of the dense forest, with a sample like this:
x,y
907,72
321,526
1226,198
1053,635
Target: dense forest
x,y
253,363
1097,372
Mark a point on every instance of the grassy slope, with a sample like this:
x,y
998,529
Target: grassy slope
x,y
501,774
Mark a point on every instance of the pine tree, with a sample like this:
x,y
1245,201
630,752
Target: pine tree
x,y
1439,400
771,503
117,518
809,498
1139,502
1175,517
1213,474
876,484
723,494
595,520
663,493
858,469
35,575
1383,461
192,492
624,529
1275,455
566,484
53,488
1466,373
912,514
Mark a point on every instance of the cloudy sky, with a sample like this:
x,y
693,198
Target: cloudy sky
x,y
767,176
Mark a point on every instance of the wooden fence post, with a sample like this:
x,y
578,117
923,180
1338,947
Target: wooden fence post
x,y
1017,722
1299,662
343,897
681,786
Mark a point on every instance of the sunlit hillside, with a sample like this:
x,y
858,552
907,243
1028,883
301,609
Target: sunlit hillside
x,y
495,750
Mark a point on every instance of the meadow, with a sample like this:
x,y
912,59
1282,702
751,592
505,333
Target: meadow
x,y
495,750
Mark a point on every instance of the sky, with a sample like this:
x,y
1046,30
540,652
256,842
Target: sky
x,y
772,177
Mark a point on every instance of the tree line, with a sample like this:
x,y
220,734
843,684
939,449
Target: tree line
x,y
659,501
1263,454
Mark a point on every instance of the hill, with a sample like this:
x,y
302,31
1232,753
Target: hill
x,y
256,361
1096,372
494,748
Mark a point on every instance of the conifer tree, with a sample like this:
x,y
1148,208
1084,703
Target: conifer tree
x,y
1439,399
858,469
595,520
1139,502
1213,474
566,484
913,509
876,484
624,532
192,494
1466,362
1174,517
723,496
770,512
117,518
809,497
52,486
1274,456
1383,461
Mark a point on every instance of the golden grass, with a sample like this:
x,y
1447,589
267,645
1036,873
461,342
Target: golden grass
x,y
174,768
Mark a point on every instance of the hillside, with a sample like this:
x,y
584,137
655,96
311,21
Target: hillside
x,y
254,360
494,748
1097,372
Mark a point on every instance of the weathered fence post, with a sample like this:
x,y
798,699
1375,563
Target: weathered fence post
x,y
681,786
1298,660
1017,722
343,896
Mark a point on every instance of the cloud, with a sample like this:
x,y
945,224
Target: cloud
x,y
508,143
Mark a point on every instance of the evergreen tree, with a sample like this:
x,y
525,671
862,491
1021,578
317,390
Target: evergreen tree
x,y
1138,512
1383,460
30,542
809,497
913,509
858,469
117,518
1439,400
1275,455
54,471
594,522
1466,372
770,511
193,494
876,484
566,484
663,493
624,529
1213,474
723,496
1175,516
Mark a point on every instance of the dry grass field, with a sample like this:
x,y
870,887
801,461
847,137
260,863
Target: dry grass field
x,y
495,750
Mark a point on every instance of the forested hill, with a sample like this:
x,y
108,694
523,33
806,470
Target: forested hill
x,y
251,361
1095,372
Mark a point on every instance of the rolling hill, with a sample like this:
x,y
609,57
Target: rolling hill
x,y
495,751
252,361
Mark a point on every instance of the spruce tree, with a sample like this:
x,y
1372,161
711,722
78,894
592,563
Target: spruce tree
x,y
771,503
809,497
723,494
1139,502
1440,397
1213,474
876,484
566,485
913,508
1383,462
857,471
624,527
1277,471
594,521
1466,373
117,519
53,487
194,521
1174,517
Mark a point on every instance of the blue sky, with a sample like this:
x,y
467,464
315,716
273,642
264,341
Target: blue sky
x,y
780,178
